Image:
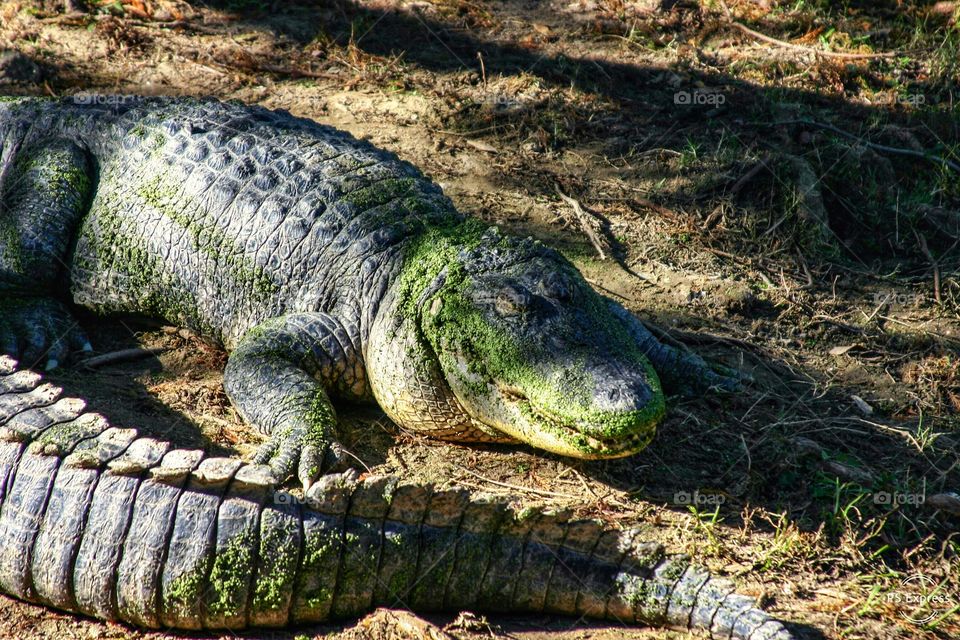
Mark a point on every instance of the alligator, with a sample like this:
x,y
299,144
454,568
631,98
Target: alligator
x,y
329,270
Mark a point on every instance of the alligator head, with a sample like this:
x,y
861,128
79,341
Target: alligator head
x,y
496,338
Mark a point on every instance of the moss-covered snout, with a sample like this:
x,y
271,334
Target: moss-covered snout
x,y
588,408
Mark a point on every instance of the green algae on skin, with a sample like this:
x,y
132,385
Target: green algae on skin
x,y
321,420
48,171
229,576
380,193
11,253
186,590
206,236
480,354
55,439
319,568
145,273
277,570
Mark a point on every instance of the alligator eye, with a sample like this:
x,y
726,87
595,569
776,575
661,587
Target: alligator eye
x,y
556,286
513,300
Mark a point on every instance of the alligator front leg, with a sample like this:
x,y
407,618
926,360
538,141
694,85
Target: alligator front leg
x,y
681,372
280,378
44,190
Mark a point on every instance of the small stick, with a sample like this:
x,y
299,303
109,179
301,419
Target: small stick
x,y
873,145
123,355
175,24
796,47
483,69
516,487
659,208
934,263
745,178
583,218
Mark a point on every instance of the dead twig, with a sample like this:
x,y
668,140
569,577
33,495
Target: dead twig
x,y
759,166
291,72
175,24
659,151
798,47
584,218
72,18
658,208
873,145
516,487
933,263
123,355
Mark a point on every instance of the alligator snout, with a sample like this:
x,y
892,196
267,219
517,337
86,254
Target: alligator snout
x,y
621,395
620,402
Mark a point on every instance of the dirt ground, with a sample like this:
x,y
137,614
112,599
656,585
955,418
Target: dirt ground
x,y
758,180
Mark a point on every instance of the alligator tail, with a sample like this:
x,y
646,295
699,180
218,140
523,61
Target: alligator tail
x,y
100,521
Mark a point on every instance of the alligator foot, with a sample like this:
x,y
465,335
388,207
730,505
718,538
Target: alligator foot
x,y
681,372
278,378
39,330
305,448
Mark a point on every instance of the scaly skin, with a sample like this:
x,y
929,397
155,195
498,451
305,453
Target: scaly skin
x,y
99,521
330,270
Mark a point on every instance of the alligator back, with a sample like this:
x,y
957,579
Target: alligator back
x,y
218,216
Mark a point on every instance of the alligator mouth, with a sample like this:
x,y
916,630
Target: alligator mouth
x,y
624,444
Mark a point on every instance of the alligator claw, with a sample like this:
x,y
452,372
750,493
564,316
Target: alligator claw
x,y
315,462
289,454
728,378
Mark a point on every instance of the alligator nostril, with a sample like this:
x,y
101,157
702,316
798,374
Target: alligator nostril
x,y
623,394
614,395
513,300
